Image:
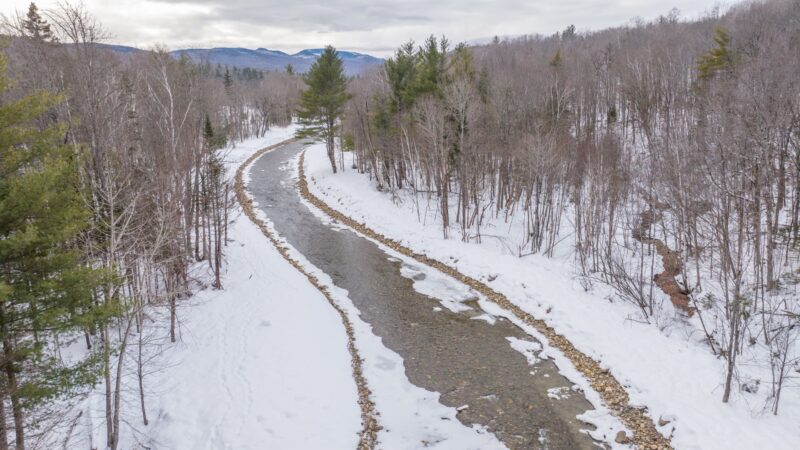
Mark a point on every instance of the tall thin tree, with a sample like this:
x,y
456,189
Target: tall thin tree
x,y
322,104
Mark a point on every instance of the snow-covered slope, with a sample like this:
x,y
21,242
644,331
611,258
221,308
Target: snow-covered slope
x,y
262,363
666,370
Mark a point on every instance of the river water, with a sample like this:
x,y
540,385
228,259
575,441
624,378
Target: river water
x,y
469,362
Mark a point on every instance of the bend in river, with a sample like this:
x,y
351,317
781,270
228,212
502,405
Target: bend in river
x,y
469,362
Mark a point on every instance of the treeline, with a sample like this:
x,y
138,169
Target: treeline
x,y
114,207
225,72
666,152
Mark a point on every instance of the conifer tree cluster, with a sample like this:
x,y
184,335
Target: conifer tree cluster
x,y
322,103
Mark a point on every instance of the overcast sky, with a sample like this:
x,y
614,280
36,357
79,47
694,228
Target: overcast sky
x,y
376,27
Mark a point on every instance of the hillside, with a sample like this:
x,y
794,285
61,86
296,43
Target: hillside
x,y
264,59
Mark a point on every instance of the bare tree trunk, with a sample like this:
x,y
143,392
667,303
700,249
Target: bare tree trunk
x,y
733,339
107,381
330,142
3,424
196,215
16,404
140,376
114,443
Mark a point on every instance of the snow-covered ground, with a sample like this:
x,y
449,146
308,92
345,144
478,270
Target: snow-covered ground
x,y
454,295
666,370
263,364
411,417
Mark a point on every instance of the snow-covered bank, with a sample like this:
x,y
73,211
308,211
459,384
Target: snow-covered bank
x,y
262,363
409,416
678,380
456,296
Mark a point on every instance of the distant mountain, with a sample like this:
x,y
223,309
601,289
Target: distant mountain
x,y
124,49
261,58
265,59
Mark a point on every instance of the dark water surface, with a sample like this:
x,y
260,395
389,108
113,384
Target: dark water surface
x,y
469,362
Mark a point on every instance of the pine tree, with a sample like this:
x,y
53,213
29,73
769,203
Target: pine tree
x,y
215,193
45,290
569,33
208,131
432,65
213,139
555,61
228,80
401,73
290,69
719,59
322,104
36,27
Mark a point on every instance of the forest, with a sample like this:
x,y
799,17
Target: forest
x,y
111,197
659,160
664,154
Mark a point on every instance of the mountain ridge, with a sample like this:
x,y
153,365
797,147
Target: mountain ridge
x,y
263,58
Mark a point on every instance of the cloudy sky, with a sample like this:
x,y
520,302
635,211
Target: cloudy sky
x,y
375,27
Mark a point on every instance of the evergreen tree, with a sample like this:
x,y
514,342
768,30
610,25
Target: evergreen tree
x,y
401,73
555,61
45,289
432,65
461,63
322,104
412,74
719,59
213,139
208,131
569,33
214,193
290,69
36,27
227,80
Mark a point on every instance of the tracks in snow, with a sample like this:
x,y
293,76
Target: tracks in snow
x,y
368,437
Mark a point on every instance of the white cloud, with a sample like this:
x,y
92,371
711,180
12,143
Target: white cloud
x,y
362,25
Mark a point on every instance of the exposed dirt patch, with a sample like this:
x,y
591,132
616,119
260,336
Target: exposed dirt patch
x,y
670,259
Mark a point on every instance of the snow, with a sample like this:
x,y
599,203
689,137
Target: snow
x,y
665,369
453,295
411,417
529,349
434,284
262,363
